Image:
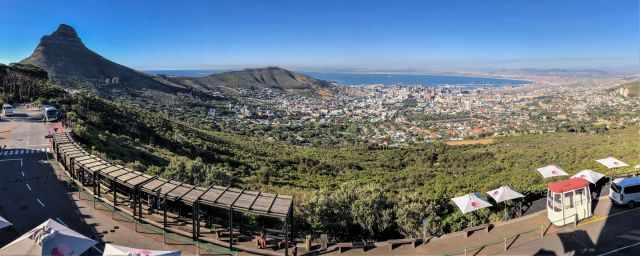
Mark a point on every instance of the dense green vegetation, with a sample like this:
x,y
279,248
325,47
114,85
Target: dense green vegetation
x,y
348,192
25,83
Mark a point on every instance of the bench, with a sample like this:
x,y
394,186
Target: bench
x,y
222,233
274,238
471,230
397,242
353,245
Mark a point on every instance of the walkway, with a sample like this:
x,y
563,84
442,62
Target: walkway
x,y
610,228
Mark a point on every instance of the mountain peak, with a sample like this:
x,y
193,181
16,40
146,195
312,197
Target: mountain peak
x,y
69,62
65,34
65,30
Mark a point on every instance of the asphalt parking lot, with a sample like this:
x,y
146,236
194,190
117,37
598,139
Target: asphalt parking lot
x,y
34,189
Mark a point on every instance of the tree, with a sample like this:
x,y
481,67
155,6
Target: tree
x,y
372,210
415,214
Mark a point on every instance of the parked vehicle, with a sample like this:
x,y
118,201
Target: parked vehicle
x,y
50,113
625,191
7,109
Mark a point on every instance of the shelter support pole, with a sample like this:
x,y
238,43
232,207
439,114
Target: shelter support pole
x,y
194,233
230,228
293,231
140,204
115,198
199,217
164,222
164,209
134,196
286,236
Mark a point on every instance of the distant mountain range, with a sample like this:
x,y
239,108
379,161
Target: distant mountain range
x,y
71,64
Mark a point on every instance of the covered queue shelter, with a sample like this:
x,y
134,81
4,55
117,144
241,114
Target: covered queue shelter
x,y
160,196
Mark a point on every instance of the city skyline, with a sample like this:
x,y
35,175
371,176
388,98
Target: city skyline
x,y
371,35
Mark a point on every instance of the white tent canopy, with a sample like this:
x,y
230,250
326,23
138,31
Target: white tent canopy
x,y
4,223
551,171
589,175
49,238
611,162
504,193
119,250
470,202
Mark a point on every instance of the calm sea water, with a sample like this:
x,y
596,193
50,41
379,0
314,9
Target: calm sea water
x,y
386,79
406,79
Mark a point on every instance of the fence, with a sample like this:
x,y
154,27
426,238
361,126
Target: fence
x,y
506,242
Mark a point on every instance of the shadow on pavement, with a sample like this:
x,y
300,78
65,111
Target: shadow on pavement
x,y
33,192
543,252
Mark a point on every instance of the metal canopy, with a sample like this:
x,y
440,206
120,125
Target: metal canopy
x,y
142,179
194,194
109,170
150,187
267,204
87,161
98,168
100,162
82,158
68,146
252,201
115,174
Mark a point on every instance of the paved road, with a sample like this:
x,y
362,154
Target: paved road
x,y
32,191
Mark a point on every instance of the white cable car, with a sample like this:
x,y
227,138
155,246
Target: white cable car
x,y
568,201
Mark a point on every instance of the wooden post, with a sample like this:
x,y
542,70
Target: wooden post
x,y
505,244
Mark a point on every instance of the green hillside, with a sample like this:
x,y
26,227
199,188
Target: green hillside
x,y
392,186
347,192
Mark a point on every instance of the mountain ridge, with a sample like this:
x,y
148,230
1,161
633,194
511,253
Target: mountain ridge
x,y
268,77
71,64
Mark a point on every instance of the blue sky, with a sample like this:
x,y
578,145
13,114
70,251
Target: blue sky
x,y
340,34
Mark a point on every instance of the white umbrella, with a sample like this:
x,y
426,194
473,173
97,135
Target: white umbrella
x,y
504,193
4,223
551,171
119,250
49,238
611,162
589,175
470,202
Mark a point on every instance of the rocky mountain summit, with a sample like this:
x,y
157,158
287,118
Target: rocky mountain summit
x,y
71,64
